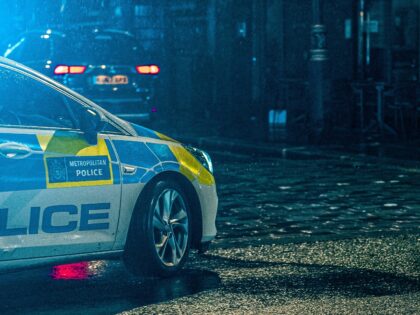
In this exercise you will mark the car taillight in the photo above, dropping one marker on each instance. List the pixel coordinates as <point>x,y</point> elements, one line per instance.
<point>62,69</point>
<point>148,69</point>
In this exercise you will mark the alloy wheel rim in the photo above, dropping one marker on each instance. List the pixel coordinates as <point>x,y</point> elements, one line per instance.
<point>170,227</point>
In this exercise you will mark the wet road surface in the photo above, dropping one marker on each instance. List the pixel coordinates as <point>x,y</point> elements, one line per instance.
<point>270,199</point>
<point>278,249</point>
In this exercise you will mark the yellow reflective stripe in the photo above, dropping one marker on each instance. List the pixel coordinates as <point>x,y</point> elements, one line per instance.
<point>165,137</point>
<point>44,140</point>
<point>190,167</point>
<point>80,184</point>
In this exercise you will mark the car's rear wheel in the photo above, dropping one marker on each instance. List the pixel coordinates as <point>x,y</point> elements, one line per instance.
<point>159,238</point>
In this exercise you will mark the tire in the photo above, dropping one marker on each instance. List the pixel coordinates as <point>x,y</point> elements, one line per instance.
<point>159,237</point>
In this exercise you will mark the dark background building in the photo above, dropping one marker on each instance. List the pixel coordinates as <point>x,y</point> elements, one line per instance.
<point>226,63</point>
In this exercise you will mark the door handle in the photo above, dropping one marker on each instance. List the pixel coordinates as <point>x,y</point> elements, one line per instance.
<point>14,150</point>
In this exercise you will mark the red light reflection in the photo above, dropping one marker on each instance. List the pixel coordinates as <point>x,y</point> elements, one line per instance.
<point>76,271</point>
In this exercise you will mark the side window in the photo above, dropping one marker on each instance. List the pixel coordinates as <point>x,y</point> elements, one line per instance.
<point>26,102</point>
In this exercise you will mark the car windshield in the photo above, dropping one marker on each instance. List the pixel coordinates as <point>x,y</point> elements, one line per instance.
<point>102,48</point>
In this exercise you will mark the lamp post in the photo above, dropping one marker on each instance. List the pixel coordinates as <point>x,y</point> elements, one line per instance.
<point>318,83</point>
<point>259,107</point>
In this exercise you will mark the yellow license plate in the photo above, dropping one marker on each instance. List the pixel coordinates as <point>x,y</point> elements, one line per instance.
<point>114,80</point>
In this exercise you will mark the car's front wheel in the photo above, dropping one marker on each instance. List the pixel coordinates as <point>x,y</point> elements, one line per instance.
<point>159,238</point>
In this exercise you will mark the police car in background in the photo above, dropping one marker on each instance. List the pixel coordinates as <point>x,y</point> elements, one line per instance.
<point>78,183</point>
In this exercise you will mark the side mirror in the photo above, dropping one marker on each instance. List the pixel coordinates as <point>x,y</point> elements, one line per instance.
<point>91,124</point>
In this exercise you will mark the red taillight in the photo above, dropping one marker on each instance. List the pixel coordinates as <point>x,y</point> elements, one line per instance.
<point>148,69</point>
<point>62,69</point>
<point>77,69</point>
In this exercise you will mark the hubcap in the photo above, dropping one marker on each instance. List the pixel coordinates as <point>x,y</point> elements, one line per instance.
<point>170,227</point>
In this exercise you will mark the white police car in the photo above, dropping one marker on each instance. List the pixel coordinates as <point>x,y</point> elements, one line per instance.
<point>78,183</point>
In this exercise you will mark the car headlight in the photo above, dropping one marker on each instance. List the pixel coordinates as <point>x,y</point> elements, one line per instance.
<point>202,156</point>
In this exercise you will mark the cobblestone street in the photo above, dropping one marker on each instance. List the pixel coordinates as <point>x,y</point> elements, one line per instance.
<point>273,198</point>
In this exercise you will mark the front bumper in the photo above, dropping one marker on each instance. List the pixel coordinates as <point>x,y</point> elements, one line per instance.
<point>207,196</point>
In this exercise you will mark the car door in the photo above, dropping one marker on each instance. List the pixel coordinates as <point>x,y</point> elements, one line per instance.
<point>59,193</point>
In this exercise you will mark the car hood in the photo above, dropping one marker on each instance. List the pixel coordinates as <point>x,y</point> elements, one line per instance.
<point>141,131</point>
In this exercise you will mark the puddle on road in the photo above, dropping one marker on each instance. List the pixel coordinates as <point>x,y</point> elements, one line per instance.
<point>101,286</point>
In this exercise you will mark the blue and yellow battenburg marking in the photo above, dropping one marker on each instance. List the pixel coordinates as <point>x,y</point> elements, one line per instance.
<point>188,164</point>
<point>154,157</point>
<point>172,151</point>
<point>70,161</point>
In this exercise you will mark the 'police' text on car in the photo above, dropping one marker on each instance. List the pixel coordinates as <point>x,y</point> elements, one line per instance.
<point>77,182</point>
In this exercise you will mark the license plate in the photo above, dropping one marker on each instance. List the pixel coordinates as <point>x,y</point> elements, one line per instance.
<point>114,80</point>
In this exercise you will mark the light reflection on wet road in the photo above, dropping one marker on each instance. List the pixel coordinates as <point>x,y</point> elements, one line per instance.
<point>97,287</point>
<point>277,198</point>
<point>261,201</point>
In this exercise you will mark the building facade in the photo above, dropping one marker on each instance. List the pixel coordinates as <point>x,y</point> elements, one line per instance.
<point>238,59</point>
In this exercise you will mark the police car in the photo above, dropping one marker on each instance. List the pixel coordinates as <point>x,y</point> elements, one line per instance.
<point>78,183</point>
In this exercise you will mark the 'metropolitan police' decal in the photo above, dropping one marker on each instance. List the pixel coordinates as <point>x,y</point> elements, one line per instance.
<point>71,162</point>
<point>78,169</point>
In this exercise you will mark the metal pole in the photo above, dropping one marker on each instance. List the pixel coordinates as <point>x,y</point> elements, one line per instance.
<point>259,110</point>
<point>388,29</point>
<point>361,41</point>
<point>317,72</point>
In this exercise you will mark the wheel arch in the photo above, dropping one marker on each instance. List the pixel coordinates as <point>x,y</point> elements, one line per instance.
<point>193,201</point>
